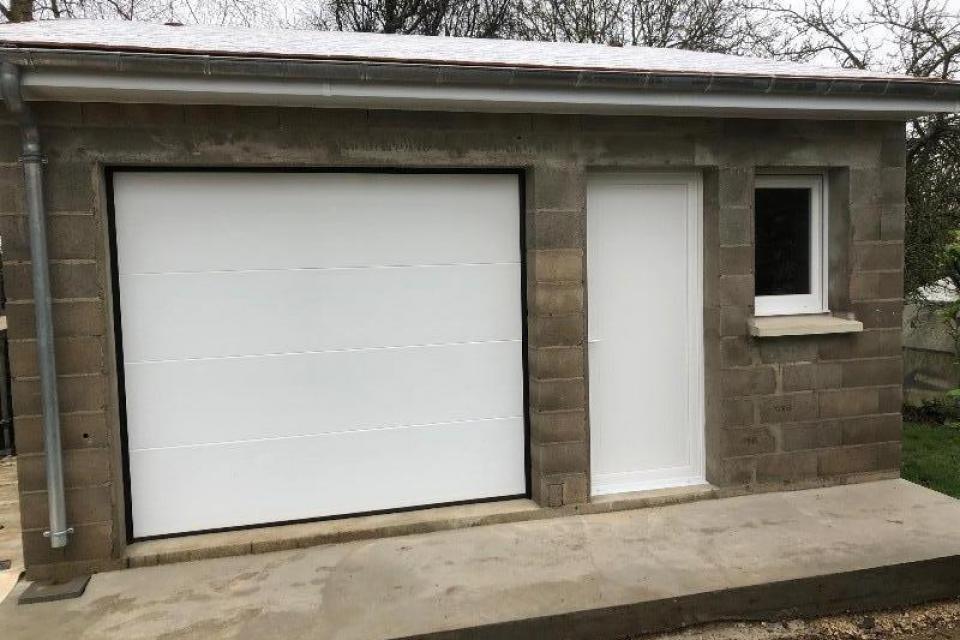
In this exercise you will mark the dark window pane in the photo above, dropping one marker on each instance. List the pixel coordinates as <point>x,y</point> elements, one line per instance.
<point>782,241</point>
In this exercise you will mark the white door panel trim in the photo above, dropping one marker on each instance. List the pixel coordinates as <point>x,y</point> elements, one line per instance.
<point>693,471</point>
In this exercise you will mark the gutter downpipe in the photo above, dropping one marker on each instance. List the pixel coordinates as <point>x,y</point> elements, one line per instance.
<point>33,160</point>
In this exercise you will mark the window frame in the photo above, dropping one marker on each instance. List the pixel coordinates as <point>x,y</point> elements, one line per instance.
<point>816,300</point>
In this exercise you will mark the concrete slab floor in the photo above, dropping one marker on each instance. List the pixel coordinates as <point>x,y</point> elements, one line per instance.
<point>427,583</point>
<point>10,542</point>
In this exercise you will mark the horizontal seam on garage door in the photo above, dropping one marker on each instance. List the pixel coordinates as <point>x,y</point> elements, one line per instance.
<point>323,351</point>
<point>329,433</point>
<point>342,268</point>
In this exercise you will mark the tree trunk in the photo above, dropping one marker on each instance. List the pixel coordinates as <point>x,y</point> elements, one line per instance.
<point>21,10</point>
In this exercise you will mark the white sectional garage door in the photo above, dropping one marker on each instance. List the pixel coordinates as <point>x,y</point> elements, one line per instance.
<point>307,344</point>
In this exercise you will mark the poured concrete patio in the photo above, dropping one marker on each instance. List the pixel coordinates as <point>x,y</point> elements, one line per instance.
<point>593,576</point>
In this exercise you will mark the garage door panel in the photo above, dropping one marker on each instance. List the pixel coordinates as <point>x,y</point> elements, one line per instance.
<point>230,399</point>
<point>221,221</point>
<point>272,312</point>
<point>299,345</point>
<point>197,488</point>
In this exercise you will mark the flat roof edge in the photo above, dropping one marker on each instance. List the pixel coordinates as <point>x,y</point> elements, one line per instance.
<point>904,97</point>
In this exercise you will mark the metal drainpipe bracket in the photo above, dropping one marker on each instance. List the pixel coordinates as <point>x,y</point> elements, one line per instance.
<point>38,157</point>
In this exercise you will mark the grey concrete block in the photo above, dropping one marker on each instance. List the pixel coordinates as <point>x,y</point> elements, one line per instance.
<point>84,392</point>
<point>556,298</point>
<point>798,377</point>
<point>557,395</point>
<point>557,331</point>
<point>71,318</point>
<point>73,355</point>
<point>737,412</point>
<point>69,237</point>
<point>561,187</point>
<point>558,426</point>
<point>736,291</point>
<point>748,381</point>
<point>67,280</point>
<point>737,352</point>
<point>845,460</point>
<point>864,373</point>
<point>865,222</point>
<point>788,407</point>
<point>869,429</point>
<point>789,349</point>
<point>85,505</point>
<point>558,265</point>
<point>849,402</point>
<point>892,181</point>
<point>558,229</point>
<point>786,467</point>
<point>876,285</point>
<point>736,225</point>
<point>877,256</point>
<point>892,219</point>
<point>869,344</point>
<point>733,320</point>
<point>813,435</point>
<point>879,314</point>
<point>748,442</point>
<point>87,542</point>
<point>865,187</point>
<point>77,431</point>
<point>560,457</point>
<point>556,362</point>
<point>736,260</point>
<point>561,489</point>
<point>81,468</point>
<point>736,187</point>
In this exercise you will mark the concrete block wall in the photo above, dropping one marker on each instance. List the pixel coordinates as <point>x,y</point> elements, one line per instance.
<point>556,321</point>
<point>780,413</point>
<point>808,410</point>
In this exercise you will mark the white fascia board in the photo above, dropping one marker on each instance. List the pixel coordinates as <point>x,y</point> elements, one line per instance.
<point>42,85</point>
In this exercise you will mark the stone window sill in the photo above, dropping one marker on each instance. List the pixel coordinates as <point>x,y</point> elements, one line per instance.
<point>801,325</point>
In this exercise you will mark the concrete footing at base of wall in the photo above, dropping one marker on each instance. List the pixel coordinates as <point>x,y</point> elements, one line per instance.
<point>602,576</point>
<point>309,534</point>
<point>856,591</point>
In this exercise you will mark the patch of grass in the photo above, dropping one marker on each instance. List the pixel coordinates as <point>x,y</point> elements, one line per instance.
<point>931,456</point>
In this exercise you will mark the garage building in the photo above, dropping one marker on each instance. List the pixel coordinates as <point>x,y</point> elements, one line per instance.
<point>303,276</point>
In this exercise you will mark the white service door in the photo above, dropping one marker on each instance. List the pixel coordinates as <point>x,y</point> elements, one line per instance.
<point>299,345</point>
<point>644,337</point>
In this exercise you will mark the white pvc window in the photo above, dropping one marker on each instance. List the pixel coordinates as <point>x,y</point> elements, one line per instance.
<point>790,266</point>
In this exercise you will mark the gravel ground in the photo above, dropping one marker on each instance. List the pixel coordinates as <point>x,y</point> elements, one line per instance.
<point>934,621</point>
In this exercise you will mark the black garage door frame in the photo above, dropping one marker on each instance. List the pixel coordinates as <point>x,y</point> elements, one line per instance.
<point>109,173</point>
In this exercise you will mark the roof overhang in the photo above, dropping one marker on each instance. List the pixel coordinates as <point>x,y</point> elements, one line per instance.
<point>91,76</point>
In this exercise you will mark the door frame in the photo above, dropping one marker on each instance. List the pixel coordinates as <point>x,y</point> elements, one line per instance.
<point>117,329</point>
<point>694,354</point>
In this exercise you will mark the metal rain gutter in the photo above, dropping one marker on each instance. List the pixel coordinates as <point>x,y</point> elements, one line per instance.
<point>85,75</point>
<point>32,160</point>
